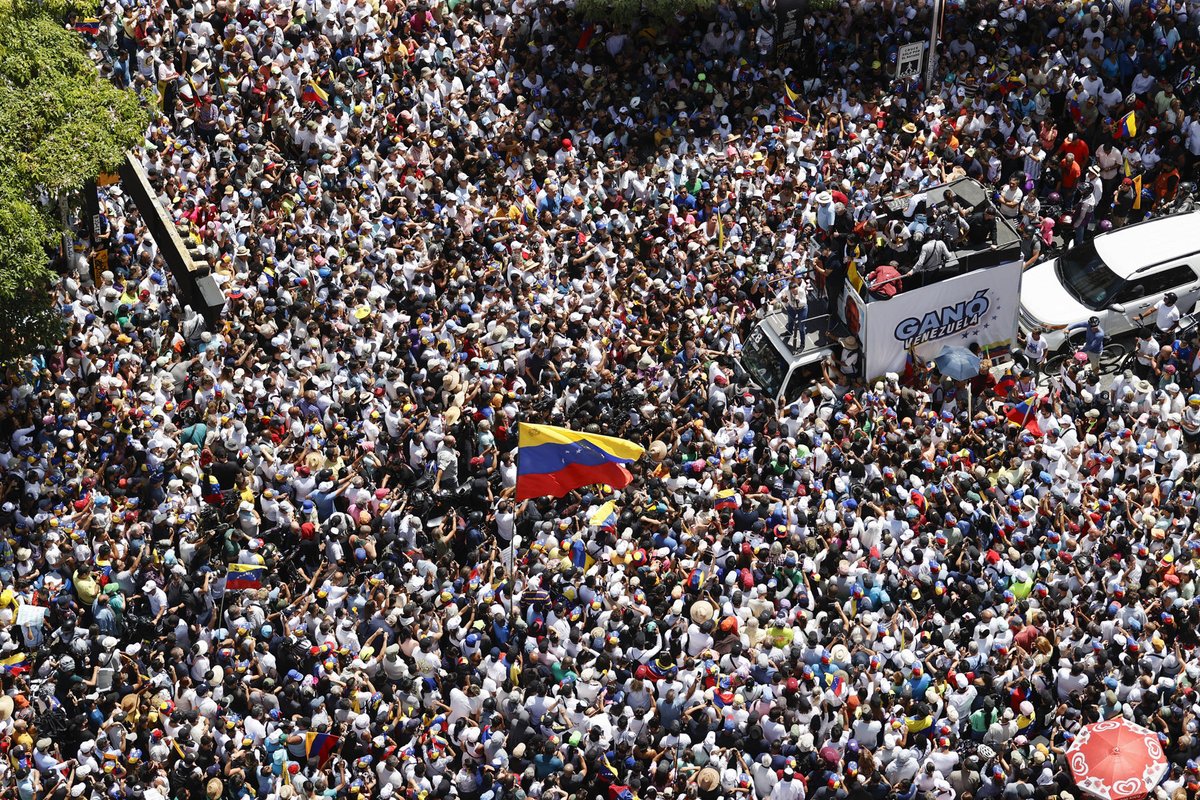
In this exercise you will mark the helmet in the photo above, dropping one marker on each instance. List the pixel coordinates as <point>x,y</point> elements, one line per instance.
<point>1170,297</point>
<point>1054,197</point>
<point>1066,219</point>
<point>66,664</point>
<point>1093,320</point>
<point>1105,225</point>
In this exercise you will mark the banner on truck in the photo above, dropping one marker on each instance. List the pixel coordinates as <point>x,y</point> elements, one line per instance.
<point>978,307</point>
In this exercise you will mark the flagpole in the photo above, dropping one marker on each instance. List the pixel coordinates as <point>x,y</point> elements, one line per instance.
<point>512,574</point>
<point>935,35</point>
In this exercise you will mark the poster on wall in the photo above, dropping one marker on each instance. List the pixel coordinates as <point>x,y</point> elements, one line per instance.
<point>977,308</point>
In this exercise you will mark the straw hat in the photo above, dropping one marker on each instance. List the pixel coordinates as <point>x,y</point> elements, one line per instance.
<point>702,611</point>
<point>6,707</point>
<point>708,779</point>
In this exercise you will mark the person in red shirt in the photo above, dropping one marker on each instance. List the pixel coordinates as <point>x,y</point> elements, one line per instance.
<point>1069,173</point>
<point>1078,148</point>
<point>884,282</point>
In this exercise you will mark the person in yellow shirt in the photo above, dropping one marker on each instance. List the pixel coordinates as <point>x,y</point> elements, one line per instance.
<point>86,585</point>
<point>1026,716</point>
<point>1021,585</point>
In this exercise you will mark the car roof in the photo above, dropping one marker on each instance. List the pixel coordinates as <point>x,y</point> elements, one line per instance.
<point>1126,250</point>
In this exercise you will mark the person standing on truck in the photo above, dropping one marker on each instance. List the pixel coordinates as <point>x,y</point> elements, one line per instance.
<point>933,256</point>
<point>1031,245</point>
<point>795,304</point>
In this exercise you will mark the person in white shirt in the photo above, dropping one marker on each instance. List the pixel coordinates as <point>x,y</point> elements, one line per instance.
<point>1035,351</point>
<point>1166,314</point>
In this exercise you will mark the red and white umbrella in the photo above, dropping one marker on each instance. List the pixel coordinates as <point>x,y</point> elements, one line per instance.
<point>1116,759</point>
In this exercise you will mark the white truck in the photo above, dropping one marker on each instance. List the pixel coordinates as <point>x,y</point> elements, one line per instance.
<point>973,299</point>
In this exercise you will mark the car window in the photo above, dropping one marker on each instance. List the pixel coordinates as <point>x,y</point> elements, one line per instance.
<point>801,378</point>
<point>1170,278</point>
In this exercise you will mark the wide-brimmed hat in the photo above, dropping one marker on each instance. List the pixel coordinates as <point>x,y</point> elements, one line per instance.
<point>702,612</point>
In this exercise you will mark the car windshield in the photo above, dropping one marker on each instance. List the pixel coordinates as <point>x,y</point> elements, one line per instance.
<point>765,364</point>
<point>1087,277</point>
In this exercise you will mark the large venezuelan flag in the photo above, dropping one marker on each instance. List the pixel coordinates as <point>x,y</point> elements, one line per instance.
<point>553,460</point>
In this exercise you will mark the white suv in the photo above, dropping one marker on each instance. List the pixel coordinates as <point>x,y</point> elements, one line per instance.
<point>1116,276</point>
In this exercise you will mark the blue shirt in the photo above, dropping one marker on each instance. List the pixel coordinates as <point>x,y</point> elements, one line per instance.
<point>1094,337</point>
<point>324,504</point>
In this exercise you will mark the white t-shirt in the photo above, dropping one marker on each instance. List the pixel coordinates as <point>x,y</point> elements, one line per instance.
<point>1165,316</point>
<point>1035,350</point>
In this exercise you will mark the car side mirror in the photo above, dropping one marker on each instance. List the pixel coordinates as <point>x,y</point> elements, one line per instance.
<point>1117,308</point>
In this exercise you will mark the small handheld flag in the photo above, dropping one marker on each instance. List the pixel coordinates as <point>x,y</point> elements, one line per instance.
<point>15,664</point>
<point>311,93</point>
<point>1127,126</point>
<point>88,27</point>
<point>1023,414</point>
<point>604,515</point>
<point>320,746</point>
<point>244,576</point>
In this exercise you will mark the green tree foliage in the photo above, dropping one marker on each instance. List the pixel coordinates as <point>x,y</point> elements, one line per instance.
<point>61,125</point>
<point>625,11</point>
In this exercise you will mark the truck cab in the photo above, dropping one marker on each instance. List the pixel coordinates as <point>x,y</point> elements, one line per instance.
<point>780,369</point>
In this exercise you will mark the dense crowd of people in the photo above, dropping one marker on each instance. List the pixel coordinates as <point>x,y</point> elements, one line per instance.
<point>279,555</point>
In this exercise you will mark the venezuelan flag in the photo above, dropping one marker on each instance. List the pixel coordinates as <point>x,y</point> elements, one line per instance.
<point>790,114</point>
<point>1127,126</point>
<point>553,460</point>
<point>320,746</point>
<point>15,664</point>
<point>311,93</point>
<point>728,498</point>
<point>1023,414</point>
<point>89,26</point>
<point>244,576</point>
<point>604,515</point>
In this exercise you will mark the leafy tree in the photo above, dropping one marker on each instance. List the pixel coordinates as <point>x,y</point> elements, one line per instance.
<point>61,125</point>
<point>625,11</point>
